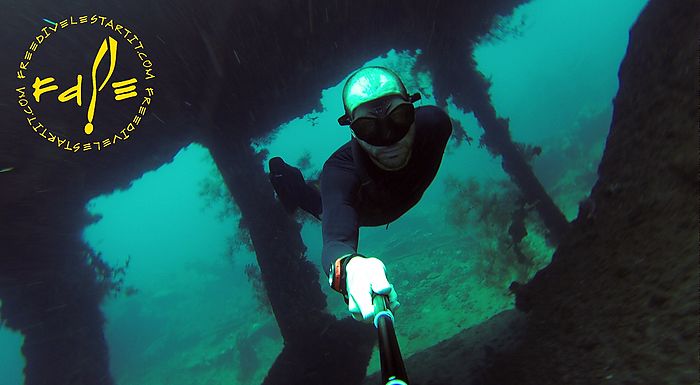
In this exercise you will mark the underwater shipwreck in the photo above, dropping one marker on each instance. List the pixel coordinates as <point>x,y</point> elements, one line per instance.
<point>617,304</point>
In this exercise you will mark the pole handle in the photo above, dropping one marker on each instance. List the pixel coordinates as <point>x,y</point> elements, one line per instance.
<point>381,309</point>
<point>380,303</point>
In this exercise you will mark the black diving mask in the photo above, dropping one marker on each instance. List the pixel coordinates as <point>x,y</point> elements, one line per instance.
<point>384,121</point>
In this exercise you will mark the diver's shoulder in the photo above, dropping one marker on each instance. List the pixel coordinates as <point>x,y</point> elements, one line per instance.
<point>431,111</point>
<point>434,118</point>
<point>342,157</point>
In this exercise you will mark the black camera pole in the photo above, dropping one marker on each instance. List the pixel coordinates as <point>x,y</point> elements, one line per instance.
<point>393,370</point>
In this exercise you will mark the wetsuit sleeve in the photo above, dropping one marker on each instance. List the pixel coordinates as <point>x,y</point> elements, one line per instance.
<point>340,224</point>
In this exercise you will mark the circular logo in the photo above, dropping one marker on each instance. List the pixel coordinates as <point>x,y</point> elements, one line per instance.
<point>85,83</point>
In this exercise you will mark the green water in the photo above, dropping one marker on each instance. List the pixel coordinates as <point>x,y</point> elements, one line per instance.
<point>194,317</point>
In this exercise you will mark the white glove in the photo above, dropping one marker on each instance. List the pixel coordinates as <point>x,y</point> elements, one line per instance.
<point>365,276</point>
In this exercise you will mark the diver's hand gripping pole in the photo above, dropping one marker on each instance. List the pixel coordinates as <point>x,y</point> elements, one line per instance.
<point>393,370</point>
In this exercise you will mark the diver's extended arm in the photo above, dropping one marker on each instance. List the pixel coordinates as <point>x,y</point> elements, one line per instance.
<point>339,186</point>
<point>357,278</point>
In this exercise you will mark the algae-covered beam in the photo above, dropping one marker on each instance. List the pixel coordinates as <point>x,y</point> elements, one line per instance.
<point>497,139</point>
<point>51,295</point>
<point>454,73</point>
<point>317,346</point>
<point>292,282</point>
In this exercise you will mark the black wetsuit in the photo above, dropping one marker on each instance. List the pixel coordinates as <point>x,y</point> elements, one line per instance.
<point>355,192</point>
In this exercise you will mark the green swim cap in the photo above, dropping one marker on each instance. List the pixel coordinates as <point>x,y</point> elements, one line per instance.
<point>371,83</point>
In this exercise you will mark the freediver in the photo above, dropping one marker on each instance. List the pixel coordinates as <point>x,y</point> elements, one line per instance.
<point>393,155</point>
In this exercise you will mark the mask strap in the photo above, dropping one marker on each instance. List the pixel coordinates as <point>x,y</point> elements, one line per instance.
<point>344,120</point>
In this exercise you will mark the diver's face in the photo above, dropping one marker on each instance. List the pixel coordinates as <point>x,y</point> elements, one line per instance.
<point>393,157</point>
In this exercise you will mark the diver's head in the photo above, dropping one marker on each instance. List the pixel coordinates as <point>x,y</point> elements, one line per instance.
<point>381,115</point>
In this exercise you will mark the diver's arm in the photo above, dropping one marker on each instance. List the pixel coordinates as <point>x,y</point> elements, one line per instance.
<point>339,185</point>
<point>353,275</point>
